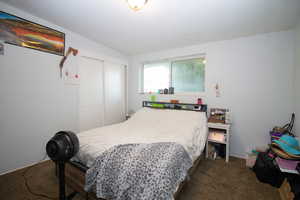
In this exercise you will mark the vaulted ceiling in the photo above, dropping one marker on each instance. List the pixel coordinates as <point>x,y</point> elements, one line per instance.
<point>164,24</point>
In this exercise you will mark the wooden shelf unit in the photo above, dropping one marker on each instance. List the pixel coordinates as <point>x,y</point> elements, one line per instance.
<point>223,128</point>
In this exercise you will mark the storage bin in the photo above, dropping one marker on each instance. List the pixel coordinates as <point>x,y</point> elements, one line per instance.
<point>251,159</point>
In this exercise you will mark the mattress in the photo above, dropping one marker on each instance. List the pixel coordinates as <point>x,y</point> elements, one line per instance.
<point>147,125</point>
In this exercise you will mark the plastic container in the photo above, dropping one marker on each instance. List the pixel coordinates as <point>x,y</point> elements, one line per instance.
<point>251,159</point>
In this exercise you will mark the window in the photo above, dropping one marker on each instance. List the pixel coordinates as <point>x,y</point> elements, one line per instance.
<point>186,76</point>
<point>156,76</point>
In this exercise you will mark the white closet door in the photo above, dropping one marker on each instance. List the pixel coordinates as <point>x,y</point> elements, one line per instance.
<point>91,105</point>
<point>114,93</point>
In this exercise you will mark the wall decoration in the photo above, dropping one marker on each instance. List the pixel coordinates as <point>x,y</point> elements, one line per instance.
<point>1,48</point>
<point>63,60</point>
<point>69,67</point>
<point>70,71</point>
<point>21,32</point>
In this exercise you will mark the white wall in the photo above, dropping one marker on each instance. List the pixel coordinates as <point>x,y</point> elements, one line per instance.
<point>256,79</point>
<point>34,102</point>
<point>297,82</point>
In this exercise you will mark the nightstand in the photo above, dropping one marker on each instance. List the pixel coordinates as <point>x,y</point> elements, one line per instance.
<point>219,133</point>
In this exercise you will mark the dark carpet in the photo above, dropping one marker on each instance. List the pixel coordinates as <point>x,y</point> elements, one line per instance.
<point>213,180</point>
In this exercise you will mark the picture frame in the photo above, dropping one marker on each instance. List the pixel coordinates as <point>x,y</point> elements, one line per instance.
<point>24,33</point>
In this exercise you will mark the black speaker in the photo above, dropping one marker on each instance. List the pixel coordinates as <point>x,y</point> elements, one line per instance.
<point>61,148</point>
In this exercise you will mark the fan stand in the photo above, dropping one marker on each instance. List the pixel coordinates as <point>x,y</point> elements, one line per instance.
<point>61,177</point>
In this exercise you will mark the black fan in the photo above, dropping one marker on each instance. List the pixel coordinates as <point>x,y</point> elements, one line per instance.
<point>61,148</point>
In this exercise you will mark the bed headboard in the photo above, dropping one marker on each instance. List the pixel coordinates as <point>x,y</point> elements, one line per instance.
<point>175,106</point>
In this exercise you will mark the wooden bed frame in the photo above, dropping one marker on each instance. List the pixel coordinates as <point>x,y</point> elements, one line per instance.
<point>75,171</point>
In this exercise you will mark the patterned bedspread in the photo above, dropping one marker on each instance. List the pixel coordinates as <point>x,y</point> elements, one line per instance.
<point>139,171</point>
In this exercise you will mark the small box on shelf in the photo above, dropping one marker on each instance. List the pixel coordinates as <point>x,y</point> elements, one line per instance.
<point>219,115</point>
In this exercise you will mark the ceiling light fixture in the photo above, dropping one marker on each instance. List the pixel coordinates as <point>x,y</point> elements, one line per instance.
<point>137,5</point>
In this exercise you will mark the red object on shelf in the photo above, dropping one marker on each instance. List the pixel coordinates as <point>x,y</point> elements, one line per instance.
<point>76,76</point>
<point>199,101</point>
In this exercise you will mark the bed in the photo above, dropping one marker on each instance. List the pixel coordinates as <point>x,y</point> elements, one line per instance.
<point>183,124</point>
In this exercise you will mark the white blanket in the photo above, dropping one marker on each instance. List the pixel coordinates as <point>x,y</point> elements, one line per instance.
<point>148,125</point>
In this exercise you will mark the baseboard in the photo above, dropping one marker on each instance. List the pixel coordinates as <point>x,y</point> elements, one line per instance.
<point>239,156</point>
<point>20,168</point>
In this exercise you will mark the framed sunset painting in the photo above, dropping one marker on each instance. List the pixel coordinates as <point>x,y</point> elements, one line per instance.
<point>21,32</point>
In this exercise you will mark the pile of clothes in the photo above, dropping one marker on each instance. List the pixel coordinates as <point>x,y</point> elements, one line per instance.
<point>286,147</point>
<point>281,160</point>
